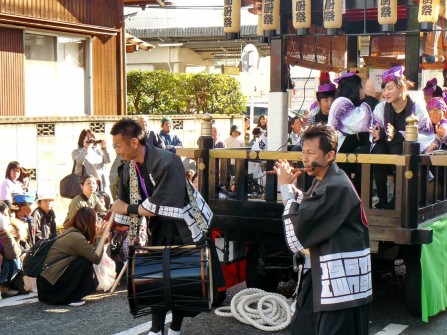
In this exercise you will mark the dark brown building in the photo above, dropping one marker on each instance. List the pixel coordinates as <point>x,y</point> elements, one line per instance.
<point>63,58</point>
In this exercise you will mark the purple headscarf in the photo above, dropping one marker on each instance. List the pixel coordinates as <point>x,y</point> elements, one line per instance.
<point>345,75</point>
<point>430,87</point>
<point>329,87</point>
<point>436,103</point>
<point>393,74</point>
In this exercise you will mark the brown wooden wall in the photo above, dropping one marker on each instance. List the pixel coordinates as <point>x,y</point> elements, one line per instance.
<point>12,86</point>
<point>107,83</point>
<point>105,13</point>
<point>100,19</point>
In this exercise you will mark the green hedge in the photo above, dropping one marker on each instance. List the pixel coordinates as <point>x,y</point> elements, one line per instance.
<point>161,92</point>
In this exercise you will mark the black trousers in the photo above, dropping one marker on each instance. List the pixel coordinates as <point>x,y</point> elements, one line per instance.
<point>349,321</point>
<point>382,171</point>
<point>304,319</point>
<point>78,281</point>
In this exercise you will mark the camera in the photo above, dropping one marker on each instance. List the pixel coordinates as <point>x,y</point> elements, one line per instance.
<point>93,141</point>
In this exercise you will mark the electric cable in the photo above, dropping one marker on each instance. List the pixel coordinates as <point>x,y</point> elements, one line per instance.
<point>308,77</point>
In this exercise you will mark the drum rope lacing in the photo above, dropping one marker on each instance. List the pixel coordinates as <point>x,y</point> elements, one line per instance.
<point>272,312</point>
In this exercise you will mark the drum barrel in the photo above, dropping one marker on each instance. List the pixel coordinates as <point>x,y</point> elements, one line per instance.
<point>175,277</point>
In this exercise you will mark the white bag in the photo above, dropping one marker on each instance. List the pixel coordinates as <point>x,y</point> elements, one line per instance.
<point>30,284</point>
<point>105,272</point>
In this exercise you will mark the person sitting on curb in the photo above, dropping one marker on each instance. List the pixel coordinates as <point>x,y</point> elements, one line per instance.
<point>22,211</point>
<point>87,198</point>
<point>72,276</point>
<point>11,274</point>
<point>43,217</point>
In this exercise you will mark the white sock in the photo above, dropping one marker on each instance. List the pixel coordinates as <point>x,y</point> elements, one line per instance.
<point>173,332</point>
<point>152,333</point>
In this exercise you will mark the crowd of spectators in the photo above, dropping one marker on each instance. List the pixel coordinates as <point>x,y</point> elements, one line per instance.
<point>26,216</point>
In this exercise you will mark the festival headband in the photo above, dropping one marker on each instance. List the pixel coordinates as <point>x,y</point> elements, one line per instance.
<point>430,87</point>
<point>326,88</point>
<point>393,74</point>
<point>346,75</point>
<point>436,103</point>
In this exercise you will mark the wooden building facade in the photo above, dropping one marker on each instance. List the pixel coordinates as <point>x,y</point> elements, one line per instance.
<point>62,57</point>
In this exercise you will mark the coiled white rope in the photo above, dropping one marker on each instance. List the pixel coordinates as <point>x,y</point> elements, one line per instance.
<point>272,312</point>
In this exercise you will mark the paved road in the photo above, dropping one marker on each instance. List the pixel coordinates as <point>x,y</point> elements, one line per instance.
<point>107,313</point>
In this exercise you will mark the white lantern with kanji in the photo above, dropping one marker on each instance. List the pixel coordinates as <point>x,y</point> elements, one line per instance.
<point>270,17</point>
<point>332,16</point>
<point>301,16</point>
<point>232,18</point>
<point>387,14</point>
<point>428,14</point>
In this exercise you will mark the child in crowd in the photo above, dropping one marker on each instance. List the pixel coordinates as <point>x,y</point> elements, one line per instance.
<point>43,217</point>
<point>22,210</point>
<point>325,97</point>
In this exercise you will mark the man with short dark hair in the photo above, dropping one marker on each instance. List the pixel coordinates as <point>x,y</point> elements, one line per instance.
<point>171,141</point>
<point>296,128</point>
<point>328,220</point>
<point>153,184</point>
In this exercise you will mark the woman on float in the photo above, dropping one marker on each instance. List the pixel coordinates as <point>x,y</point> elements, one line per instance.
<point>351,115</point>
<point>388,129</point>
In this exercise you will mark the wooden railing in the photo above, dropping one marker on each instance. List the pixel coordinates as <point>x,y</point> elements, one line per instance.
<point>420,193</point>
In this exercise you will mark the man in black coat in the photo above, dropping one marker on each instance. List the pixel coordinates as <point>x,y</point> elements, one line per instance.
<point>329,221</point>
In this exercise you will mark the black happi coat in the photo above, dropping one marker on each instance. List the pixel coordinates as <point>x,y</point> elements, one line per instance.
<point>164,178</point>
<point>330,221</point>
<point>165,181</point>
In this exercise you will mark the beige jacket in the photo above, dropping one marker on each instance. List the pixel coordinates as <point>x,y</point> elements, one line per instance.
<point>94,160</point>
<point>82,201</point>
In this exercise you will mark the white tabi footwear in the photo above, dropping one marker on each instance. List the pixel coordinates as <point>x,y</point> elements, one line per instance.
<point>173,332</point>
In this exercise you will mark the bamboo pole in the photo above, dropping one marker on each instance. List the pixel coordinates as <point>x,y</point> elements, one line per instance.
<point>118,279</point>
<point>99,249</point>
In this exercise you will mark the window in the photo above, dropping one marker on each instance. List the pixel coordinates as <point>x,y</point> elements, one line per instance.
<point>56,76</point>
